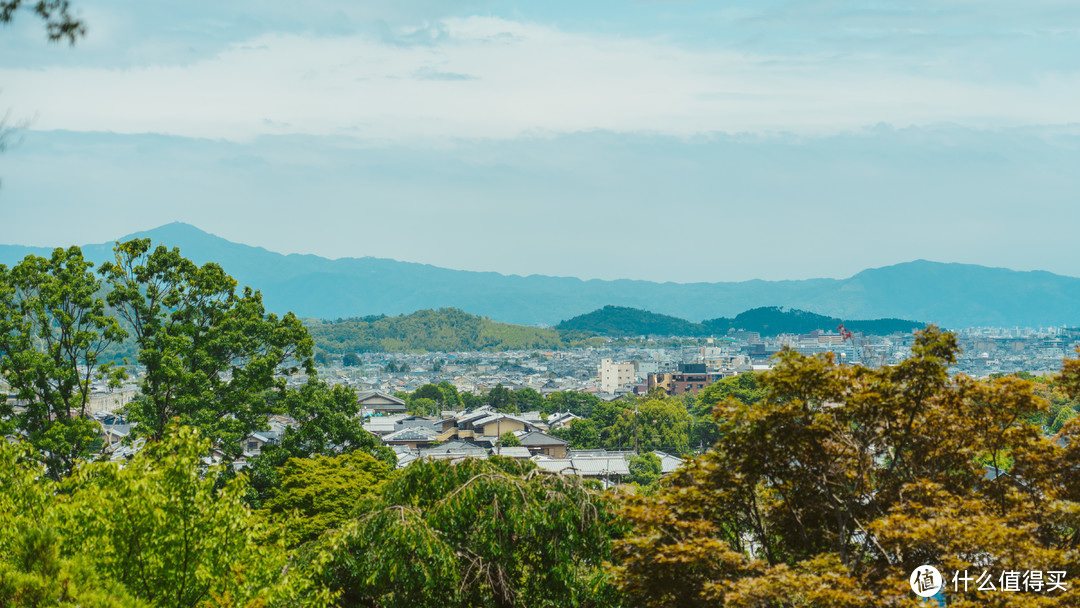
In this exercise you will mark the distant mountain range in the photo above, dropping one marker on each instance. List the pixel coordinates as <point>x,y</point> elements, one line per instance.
<point>952,295</point>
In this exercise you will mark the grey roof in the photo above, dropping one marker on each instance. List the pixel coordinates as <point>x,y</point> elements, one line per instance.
<point>482,412</point>
<point>536,438</point>
<point>380,425</point>
<point>600,467</point>
<point>494,417</point>
<point>411,434</point>
<point>585,467</point>
<point>369,394</point>
<point>668,463</point>
<point>457,447</point>
<point>454,456</point>
<point>406,458</point>
<point>516,451</point>
<point>556,465</point>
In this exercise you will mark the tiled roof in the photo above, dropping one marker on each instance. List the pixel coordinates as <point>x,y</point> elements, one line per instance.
<point>537,438</point>
<point>411,434</point>
<point>516,451</point>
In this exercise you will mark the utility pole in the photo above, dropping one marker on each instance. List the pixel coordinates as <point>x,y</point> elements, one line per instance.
<point>637,447</point>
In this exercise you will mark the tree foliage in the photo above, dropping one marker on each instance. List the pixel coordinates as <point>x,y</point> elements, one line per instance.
<point>662,424</point>
<point>159,531</point>
<point>843,480</point>
<point>582,434</point>
<point>322,492</point>
<point>53,329</point>
<point>477,533</point>
<point>326,423</point>
<point>212,355</point>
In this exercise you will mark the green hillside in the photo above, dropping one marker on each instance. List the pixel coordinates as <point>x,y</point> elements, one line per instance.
<point>446,330</point>
<point>626,321</point>
<point>774,320</point>
<point>768,321</point>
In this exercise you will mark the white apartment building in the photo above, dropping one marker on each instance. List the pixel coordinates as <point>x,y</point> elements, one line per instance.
<point>614,376</point>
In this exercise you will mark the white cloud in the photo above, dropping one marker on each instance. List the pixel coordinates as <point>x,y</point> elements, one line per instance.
<point>494,78</point>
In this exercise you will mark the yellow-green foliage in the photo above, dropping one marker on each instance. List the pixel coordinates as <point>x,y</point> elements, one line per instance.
<point>320,493</point>
<point>160,531</point>
<point>842,480</point>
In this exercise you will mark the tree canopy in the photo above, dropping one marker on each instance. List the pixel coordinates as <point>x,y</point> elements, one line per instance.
<point>53,330</point>
<point>212,355</point>
<point>832,489</point>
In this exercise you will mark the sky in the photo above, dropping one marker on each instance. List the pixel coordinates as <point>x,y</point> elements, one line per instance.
<point>663,140</point>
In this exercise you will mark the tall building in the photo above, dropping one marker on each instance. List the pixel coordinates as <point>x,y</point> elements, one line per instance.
<point>614,376</point>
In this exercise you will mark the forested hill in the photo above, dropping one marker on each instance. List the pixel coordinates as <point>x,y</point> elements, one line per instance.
<point>768,321</point>
<point>446,330</point>
<point>453,330</point>
<point>626,321</point>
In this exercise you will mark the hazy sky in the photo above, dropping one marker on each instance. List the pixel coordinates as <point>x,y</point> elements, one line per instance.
<point>662,140</point>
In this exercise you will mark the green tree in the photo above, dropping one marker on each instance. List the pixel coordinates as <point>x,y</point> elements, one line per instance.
<point>163,527</point>
<point>321,493</point>
<point>580,404</point>
<point>53,330</point>
<point>662,424</point>
<point>582,434</point>
<point>212,355</point>
<point>509,440</point>
<point>470,401</point>
<point>352,360</point>
<point>501,398</point>
<point>528,399</point>
<point>327,423</point>
<point>423,407</point>
<point>645,469</point>
<point>450,396</point>
<point>839,483</point>
<point>743,387</point>
<point>478,533</point>
<point>33,569</point>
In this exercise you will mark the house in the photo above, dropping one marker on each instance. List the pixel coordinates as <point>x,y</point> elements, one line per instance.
<point>607,468</point>
<point>542,443</point>
<point>668,463</point>
<point>519,452</point>
<point>254,443</point>
<point>380,403</point>
<point>413,437</point>
<point>560,420</point>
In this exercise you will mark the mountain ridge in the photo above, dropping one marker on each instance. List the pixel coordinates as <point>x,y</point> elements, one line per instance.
<point>949,294</point>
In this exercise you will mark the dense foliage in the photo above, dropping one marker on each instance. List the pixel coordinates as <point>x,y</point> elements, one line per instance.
<point>211,355</point>
<point>53,330</point>
<point>159,531</point>
<point>478,533</point>
<point>839,483</point>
